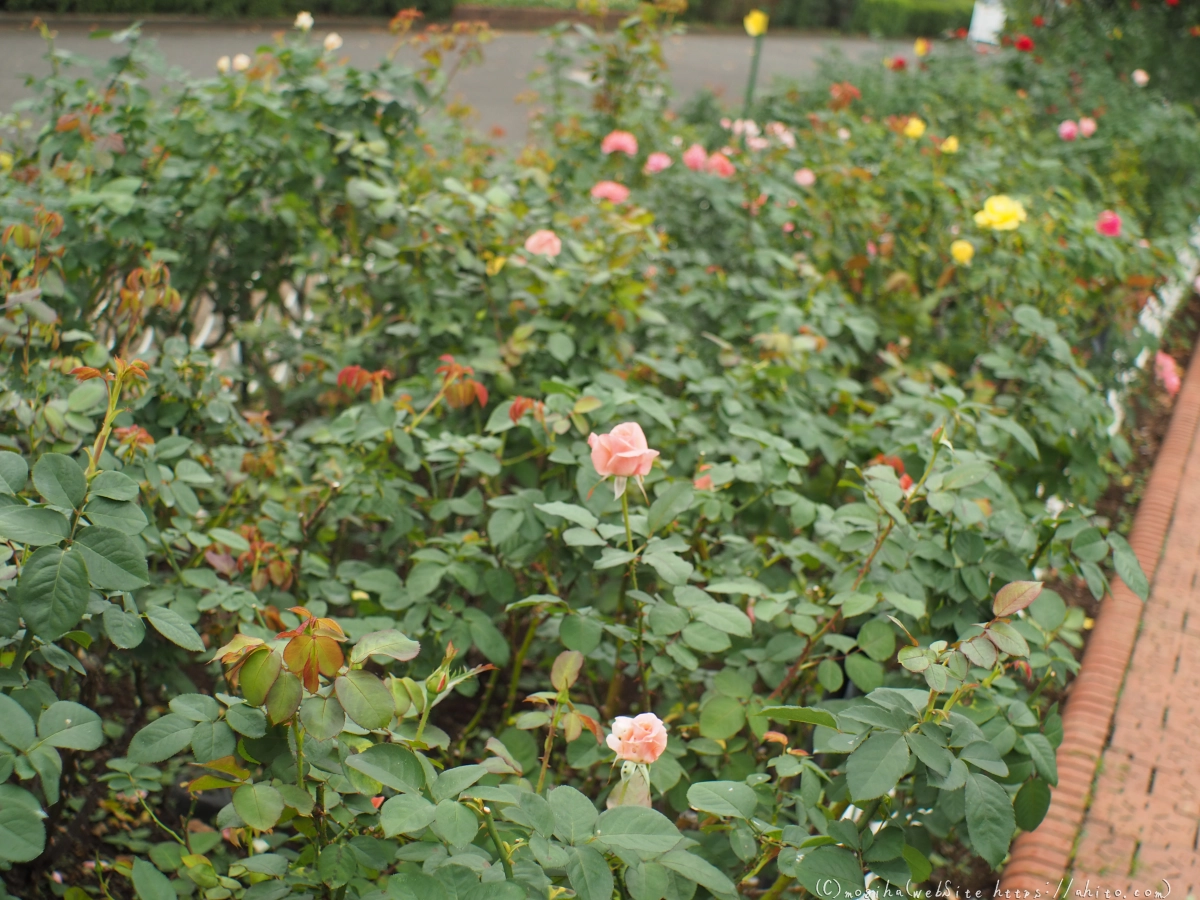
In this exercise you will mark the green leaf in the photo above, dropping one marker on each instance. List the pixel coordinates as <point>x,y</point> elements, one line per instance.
<point>1031,804</point>
<point>174,628</point>
<point>33,525</point>
<point>246,720</point>
<point>723,798</point>
<point>669,567</point>
<point>984,755</point>
<point>124,629</point>
<point>151,884</point>
<point>70,726</point>
<point>1015,596</point>
<point>259,805</point>
<point>59,479</point>
<point>721,718</point>
<point>589,874</point>
<point>390,644</point>
<point>16,726</point>
<point>877,639</point>
<point>637,828</point>
<point>1007,639</point>
<point>874,768</point>
<point>122,516</point>
<point>406,814</point>
<point>667,506</point>
<point>323,717</point>
<point>283,699</point>
<point>1043,756</point>
<point>336,865</point>
<point>114,486</point>
<point>230,539</point>
<point>196,707</point>
<point>22,834</point>
<point>365,698</point>
<point>865,673</point>
<point>930,752</point>
<point>52,592</point>
<point>390,765</point>
<point>810,715</point>
<point>695,869</point>
<point>455,824</point>
<point>1129,569</point>
<point>965,475</point>
<point>114,562</point>
<point>724,617</point>
<point>570,512</point>
<point>574,815</point>
<point>1022,436</point>
<point>830,873</point>
<point>453,782</point>
<point>161,739</point>
<point>14,472</point>
<point>990,819</point>
<point>212,740</point>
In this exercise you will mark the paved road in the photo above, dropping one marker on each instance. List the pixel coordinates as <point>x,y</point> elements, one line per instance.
<point>718,62</point>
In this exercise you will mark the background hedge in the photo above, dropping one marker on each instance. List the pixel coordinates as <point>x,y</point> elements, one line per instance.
<point>887,18</point>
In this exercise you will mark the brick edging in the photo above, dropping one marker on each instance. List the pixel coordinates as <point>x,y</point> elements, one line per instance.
<point>1041,858</point>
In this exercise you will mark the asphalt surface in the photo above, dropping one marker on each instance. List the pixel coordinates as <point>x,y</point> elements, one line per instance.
<point>717,62</point>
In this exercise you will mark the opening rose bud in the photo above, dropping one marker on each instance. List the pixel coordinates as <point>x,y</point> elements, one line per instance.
<point>641,739</point>
<point>622,453</point>
<point>619,142</point>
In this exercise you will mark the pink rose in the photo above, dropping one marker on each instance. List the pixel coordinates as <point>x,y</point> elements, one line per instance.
<point>1068,130</point>
<point>610,190</point>
<point>619,142</point>
<point>641,739</point>
<point>718,164</point>
<point>544,243</point>
<point>622,452</point>
<point>1167,371</point>
<point>1087,126</point>
<point>757,143</point>
<point>789,227</point>
<point>805,177</point>
<point>694,157</point>
<point>1140,77</point>
<point>1108,223</point>
<point>657,162</point>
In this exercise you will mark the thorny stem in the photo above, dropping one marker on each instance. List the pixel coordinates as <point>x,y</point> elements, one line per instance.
<point>501,850</point>
<point>424,716</point>
<point>518,662</point>
<point>541,782</point>
<point>159,823</point>
<point>428,409</point>
<point>643,674</point>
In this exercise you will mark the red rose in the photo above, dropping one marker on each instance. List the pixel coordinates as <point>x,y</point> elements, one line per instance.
<point>1039,22</point>
<point>1023,43</point>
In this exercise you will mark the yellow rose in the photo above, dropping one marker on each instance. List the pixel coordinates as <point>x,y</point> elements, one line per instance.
<point>755,22</point>
<point>950,145</point>
<point>1000,213</point>
<point>922,47</point>
<point>6,162</point>
<point>963,252</point>
<point>914,128</point>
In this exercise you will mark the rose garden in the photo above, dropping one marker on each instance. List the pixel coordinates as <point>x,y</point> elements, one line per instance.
<point>707,498</point>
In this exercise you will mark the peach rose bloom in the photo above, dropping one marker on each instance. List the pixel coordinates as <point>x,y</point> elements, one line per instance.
<point>622,452</point>
<point>656,163</point>
<point>718,164</point>
<point>544,243</point>
<point>619,142</point>
<point>1087,126</point>
<point>610,190</point>
<point>805,177</point>
<point>641,739</point>
<point>694,157</point>
<point>1167,371</point>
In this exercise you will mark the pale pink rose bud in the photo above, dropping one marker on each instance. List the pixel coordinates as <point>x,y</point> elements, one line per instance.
<point>694,157</point>
<point>805,177</point>
<point>611,191</point>
<point>619,142</point>
<point>622,452</point>
<point>641,739</point>
<point>1087,126</point>
<point>1140,77</point>
<point>757,143</point>
<point>1108,223</point>
<point>544,243</point>
<point>718,164</point>
<point>657,162</point>
<point>1068,130</point>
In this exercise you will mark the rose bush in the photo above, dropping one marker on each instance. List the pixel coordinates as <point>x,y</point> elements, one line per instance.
<point>328,595</point>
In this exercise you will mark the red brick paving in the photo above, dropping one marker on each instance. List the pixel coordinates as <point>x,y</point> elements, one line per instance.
<point>1126,813</point>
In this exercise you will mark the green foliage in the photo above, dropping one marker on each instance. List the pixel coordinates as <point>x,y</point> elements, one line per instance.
<point>338,558</point>
<point>225,9</point>
<point>897,18</point>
